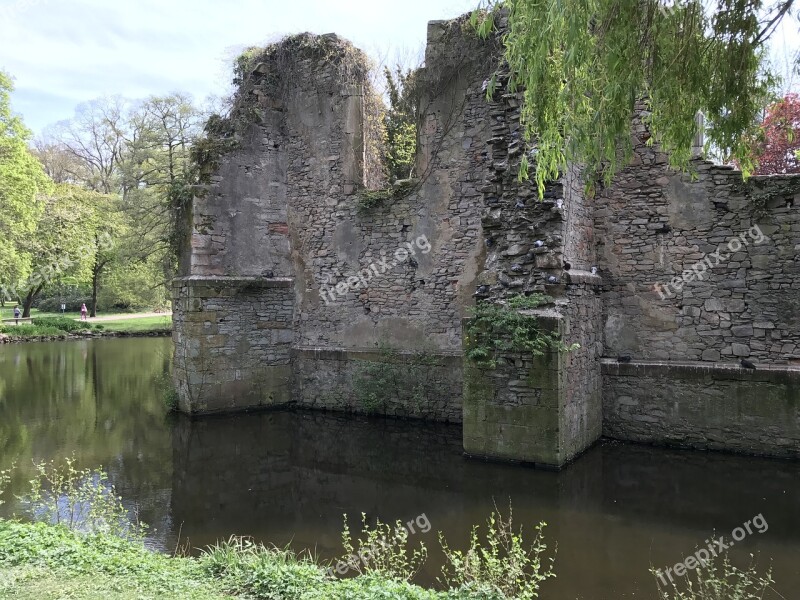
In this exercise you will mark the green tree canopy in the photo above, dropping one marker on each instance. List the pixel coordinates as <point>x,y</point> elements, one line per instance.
<point>584,64</point>
<point>22,181</point>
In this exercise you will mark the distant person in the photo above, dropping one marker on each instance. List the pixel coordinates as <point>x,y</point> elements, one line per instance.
<point>84,312</point>
<point>17,314</point>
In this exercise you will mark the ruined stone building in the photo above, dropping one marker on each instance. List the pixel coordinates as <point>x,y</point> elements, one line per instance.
<point>295,291</point>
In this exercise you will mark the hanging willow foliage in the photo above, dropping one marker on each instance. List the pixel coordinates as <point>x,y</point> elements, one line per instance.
<point>583,65</point>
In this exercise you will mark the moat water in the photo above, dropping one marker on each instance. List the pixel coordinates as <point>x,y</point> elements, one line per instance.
<point>287,478</point>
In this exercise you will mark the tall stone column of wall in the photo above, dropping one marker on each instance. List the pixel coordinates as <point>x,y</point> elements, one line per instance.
<point>384,279</point>
<point>295,131</point>
<point>542,410</point>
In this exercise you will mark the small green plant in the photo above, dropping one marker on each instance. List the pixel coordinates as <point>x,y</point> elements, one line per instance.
<point>382,550</point>
<point>80,499</point>
<point>5,479</point>
<point>368,199</point>
<point>167,390</point>
<point>503,564</point>
<point>265,572</point>
<point>397,376</point>
<point>496,329</point>
<point>717,580</point>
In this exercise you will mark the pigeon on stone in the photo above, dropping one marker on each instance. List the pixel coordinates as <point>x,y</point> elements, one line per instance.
<point>746,364</point>
<point>624,358</point>
<point>567,266</point>
<point>516,268</point>
<point>520,204</point>
<point>482,290</point>
<point>552,279</point>
<point>594,270</point>
<point>269,274</point>
<point>538,243</point>
<point>489,242</point>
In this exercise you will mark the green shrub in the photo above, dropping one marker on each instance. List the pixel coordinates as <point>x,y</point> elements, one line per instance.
<point>503,564</point>
<point>496,329</point>
<point>27,330</point>
<point>266,572</point>
<point>65,324</point>
<point>382,551</point>
<point>717,580</point>
<point>80,499</point>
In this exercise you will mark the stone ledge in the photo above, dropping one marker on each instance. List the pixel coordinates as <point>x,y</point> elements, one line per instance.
<point>204,280</point>
<point>586,277</point>
<point>702,370</point>
<point>370,354</point>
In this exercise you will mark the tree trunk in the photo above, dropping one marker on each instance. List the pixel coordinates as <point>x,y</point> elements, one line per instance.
<point>95,279</point>
<point>26,307</point>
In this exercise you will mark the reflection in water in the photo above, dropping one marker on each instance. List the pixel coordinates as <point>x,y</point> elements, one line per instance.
<point>289,477</point>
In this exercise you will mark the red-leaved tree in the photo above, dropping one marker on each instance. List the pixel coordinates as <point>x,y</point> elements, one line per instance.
<point>777,151</point>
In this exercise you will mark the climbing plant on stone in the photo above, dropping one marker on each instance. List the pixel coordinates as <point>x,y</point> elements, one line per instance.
<point>497,328</point>
<point>583,66</point>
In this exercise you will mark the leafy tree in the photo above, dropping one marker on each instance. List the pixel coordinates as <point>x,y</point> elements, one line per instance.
<point>22,181</point>
<point>778,146</point>
<point>583,65</point>
<point>401,123</point>
<point>139,152</point>
<point>62,242</point>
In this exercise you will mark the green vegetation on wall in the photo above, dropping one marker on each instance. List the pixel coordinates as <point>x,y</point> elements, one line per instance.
<point>497,329</point>
<point>401,376</point>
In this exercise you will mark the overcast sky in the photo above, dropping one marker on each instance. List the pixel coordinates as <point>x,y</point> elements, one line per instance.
<point>64,52</point>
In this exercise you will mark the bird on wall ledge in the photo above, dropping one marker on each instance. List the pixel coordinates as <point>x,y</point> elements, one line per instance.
<point>746,364</point>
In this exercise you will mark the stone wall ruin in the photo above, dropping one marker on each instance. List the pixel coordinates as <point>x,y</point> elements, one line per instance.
<point>281,222</point>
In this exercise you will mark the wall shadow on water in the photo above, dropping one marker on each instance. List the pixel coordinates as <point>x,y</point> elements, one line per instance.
<point>288,478</point>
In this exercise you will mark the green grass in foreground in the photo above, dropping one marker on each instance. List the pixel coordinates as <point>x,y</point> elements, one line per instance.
<point>39,561</point>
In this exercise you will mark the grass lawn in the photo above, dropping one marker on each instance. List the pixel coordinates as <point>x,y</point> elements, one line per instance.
<point>143,324</point>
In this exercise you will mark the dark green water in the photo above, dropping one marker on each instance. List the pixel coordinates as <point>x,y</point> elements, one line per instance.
<point>289,477</point>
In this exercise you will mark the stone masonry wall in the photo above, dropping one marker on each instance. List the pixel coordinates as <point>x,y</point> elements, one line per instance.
<point>655,227</point>
<point>287,202</point>
<point>691,406</point>
<point>232,341</point>
<point>305,288</point>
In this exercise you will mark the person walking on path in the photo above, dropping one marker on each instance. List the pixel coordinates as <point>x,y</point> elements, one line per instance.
<point>16,314</point>
<point>84,312</point>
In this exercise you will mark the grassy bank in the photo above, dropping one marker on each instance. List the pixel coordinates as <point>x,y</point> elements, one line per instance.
<point>46,561</point>
<point>59,327</point>
<point>139,325</point>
